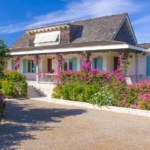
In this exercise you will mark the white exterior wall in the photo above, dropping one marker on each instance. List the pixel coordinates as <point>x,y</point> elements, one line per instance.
<point>108,60</point>
<point>29,76</point>
<point>131,68</point>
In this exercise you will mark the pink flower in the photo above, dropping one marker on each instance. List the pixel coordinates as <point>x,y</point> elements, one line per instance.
<point>95,70</point>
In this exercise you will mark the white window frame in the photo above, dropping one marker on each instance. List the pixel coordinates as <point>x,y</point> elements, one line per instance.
<point>40,37</point>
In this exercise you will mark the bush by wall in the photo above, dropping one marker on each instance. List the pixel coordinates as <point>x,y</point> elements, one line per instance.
<point>101,88</point>
<point>13,85</point>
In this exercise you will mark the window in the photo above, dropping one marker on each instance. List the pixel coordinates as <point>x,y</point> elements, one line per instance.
<point>97,63</point>
<point>70,64</point>
<point>30,66</point>
<point>94,62</point>
<point>49,38</point>
<point>67,64</point>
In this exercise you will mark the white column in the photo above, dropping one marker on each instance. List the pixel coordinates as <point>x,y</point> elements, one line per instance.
<point>137,67</point>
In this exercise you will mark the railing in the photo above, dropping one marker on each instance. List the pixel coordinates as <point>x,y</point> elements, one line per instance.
<point>132,78</point>
<point>48,78</point>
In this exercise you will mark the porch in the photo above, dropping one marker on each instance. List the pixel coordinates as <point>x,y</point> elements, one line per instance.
<point>45,71</point>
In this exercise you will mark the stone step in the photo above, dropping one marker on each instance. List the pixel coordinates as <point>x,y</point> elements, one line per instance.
<point>32,92</point>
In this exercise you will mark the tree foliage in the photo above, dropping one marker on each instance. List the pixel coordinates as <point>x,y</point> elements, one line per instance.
<point>4,55</point>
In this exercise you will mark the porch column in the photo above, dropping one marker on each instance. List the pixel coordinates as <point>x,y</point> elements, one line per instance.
<point>137,67</point>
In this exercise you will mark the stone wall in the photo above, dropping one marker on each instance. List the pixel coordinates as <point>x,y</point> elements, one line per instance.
<point>43,89</point>
<point>65,36</point>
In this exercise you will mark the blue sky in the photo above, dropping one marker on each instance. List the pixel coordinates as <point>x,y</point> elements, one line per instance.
<point>18,15</point>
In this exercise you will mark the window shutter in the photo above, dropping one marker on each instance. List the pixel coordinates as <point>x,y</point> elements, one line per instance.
<point>148,66</point>
<point>34,68</point>
<point>12,65</point>
<point>24,66</point>
<point>74,63</point>
<point>99,63</point>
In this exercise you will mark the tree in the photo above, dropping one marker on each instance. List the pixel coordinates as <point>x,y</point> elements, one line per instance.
<point>4,55</point>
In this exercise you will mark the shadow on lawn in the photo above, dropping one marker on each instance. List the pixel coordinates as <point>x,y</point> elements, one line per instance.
<point>20,119</point>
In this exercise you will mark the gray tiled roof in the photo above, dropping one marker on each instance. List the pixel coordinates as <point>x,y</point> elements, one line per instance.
<point>94,29</point>
<point>145,45</point>
<point>98,29</point>
<point>22,41</point>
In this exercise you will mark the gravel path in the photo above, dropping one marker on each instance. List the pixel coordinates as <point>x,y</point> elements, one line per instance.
<point>35,125</point>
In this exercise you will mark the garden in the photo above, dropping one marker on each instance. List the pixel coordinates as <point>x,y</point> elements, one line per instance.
<point>12,83</point>
<point>102,88</point>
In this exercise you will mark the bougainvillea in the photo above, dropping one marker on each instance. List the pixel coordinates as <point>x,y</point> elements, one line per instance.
<point>123,61</point>
<point>17,61</point>
<point>36,59</point>
<point>86,63</point>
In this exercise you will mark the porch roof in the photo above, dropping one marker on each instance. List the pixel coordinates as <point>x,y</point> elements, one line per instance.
<point>77,47</point>
<point>145,45</point>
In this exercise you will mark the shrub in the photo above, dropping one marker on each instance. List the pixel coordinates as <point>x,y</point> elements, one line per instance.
<point>13,76</point>
<point>99,87</point>
<point>7,88</point>
<point>13,84</point>
<point>102,97</point>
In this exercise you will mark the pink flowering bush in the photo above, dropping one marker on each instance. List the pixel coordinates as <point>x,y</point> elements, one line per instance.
<point>100,87</point>
<point>137,95</point>
<point>82,85</point>
<point>42,75</point>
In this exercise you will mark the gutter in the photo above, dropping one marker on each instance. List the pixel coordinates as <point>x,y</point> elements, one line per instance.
<point>78,49</point>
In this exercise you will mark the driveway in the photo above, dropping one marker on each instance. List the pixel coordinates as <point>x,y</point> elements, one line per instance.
<point>35,125</point>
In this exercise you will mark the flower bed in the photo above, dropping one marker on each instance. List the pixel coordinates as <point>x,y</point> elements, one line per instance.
<point>102,88</point>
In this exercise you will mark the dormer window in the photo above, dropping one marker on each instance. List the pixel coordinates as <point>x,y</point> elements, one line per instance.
<point>49,38</point>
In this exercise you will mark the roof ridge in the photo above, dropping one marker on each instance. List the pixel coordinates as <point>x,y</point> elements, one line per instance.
<point>69,22</point>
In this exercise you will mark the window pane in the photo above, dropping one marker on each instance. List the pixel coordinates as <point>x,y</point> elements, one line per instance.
<point>32,65</point>
<point>70,64</point>
<point>28,65</point>
<point>95,62</point>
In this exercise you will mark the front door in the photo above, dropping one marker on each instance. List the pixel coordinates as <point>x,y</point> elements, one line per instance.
<point>49,65</point>
<point>116,63</point>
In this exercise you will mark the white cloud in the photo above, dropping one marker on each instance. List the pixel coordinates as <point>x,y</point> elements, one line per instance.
<point>142,29</point>
<point>76,10</point>
<point>143,20</point>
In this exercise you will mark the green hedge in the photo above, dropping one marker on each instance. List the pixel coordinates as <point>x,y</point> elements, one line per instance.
<point>13,85</point>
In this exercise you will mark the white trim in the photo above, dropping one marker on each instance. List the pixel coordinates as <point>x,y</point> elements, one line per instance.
<point>89,48</point>
<point>130,26</point>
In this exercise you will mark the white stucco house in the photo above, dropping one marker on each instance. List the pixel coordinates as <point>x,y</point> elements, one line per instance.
<point>101,36</point>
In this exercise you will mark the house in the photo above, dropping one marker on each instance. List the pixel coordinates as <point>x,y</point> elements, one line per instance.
<point>101,37</point>
<point>146,61</point>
